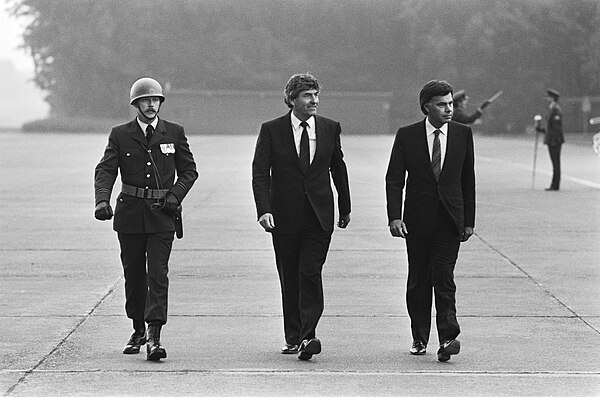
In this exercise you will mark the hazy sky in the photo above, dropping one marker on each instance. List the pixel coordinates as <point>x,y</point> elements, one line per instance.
<point>9,31</point>
<point>21,100</point>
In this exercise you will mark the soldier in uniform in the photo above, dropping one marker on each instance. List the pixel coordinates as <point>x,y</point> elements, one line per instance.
<point>460,99</point>
<point>553,136</point>
<point>157,171</point>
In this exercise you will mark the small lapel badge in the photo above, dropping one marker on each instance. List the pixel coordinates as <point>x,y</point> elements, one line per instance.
<point>167,148</point>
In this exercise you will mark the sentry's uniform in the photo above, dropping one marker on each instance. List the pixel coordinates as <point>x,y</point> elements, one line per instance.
<point>554,139</point>
<point>460,116</point>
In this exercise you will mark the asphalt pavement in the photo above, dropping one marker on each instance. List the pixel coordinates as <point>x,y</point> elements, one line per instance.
<point>528,282</point>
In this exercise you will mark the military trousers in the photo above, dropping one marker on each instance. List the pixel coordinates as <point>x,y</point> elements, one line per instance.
<point>554,151</point>
<point>145,260</point>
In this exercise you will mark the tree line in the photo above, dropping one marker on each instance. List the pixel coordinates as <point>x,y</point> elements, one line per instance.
<point>87,53</point>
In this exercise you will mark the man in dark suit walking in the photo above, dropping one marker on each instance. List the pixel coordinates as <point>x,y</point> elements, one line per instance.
<point>294,157</point>
<point>439,212</point>
<point>148,152</point>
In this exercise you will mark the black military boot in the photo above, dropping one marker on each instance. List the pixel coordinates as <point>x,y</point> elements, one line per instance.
<point>154,350</point>
<point>137,339</point>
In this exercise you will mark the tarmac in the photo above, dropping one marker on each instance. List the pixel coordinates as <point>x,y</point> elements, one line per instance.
<point>528,282</point>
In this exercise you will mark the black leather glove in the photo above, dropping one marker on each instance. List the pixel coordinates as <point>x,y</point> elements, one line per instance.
<point>103,211</point>
<point>171,204</point>
<point>484,104</point>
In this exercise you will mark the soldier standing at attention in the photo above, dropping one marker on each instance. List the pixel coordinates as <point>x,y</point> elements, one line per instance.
<point>553,136</point>
<point>149,153</point>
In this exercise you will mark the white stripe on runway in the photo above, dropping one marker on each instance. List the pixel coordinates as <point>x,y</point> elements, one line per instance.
<point>541,171</point>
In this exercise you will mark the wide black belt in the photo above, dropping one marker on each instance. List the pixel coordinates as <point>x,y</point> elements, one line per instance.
<point>143,192</point>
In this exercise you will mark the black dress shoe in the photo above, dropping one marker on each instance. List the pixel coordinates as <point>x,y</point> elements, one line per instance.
<point>447,349</point>
<point>308,348</point>
<point>137,339</point>
<point>289,349</point>
<point>418,348</point>
<point>550,189</point>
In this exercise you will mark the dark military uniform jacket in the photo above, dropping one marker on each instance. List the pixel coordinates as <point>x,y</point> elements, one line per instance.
<point>460,116</point>
<point>127,151</point>
<point>554,133</point>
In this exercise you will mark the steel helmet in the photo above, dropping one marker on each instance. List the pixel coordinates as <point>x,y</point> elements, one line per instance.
<point>145,87</point>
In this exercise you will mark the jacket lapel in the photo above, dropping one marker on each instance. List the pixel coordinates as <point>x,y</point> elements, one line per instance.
<point>287,135</point>
<point>451,145</point>
<point>159,133</point>
<point>136,132</point>
<point>422,148</point>
<point>138,135</point>
<point>320,135</point>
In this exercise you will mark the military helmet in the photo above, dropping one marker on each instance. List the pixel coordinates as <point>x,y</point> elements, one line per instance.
<point>145,87</point>
<point>553,93</point>
<point>460,95</point>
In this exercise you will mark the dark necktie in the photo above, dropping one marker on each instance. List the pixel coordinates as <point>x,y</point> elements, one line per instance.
<point>436,156</point>
<point>304,156</point>
<point>149,132</point>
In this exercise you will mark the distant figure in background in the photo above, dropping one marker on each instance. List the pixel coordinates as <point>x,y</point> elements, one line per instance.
<point>553,136</point>
<point>148,152</point>
<point>460,105</point>
<point>434,214</point>
<point>296,157</point>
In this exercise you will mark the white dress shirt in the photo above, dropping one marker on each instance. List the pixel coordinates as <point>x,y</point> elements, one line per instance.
<point>144,125</point>
<point>312,135</point>
<point>430,130</point>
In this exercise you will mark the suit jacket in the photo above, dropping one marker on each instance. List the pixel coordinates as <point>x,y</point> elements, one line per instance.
<point>455,188</point>
<point>279,184</point>
<point>554,133</point>
<point>128,152</point>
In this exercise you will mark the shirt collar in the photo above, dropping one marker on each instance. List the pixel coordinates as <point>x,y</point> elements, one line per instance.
<point>430,129</point>
<point>144,125</point>
<point>296,122</point>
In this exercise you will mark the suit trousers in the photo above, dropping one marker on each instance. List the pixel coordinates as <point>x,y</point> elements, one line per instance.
<point>145,259</point>
<point>554,151</point>
<point>431,261</point>
<point>300,258</point>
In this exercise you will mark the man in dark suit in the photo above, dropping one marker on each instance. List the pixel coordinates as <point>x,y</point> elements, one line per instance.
<point>294,156</point>
<point>148,151</point>
<point>439,212</point>
<point>553,136</point>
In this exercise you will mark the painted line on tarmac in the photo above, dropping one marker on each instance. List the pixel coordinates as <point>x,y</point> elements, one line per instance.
<point>539,285</point>
<point>275,371</point>
<point>504,162</point>
<point>59,344</point>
